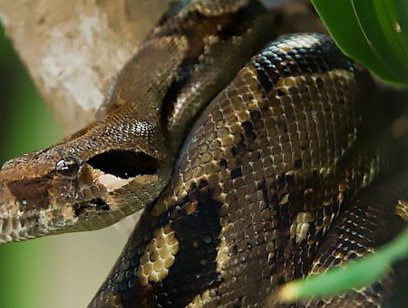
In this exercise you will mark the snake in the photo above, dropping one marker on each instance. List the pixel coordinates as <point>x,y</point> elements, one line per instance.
<point>246,154</point>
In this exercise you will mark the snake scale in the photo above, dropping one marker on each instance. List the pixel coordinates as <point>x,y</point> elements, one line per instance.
<point>279,137</point>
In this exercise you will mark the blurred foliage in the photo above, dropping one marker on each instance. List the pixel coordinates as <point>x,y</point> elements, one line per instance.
<point>26,124</point>
<point>374,32</point>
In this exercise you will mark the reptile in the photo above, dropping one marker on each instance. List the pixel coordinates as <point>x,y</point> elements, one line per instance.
<point>241,153</point>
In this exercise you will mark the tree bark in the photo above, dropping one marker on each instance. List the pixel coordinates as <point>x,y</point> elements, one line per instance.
<point>72,49</point>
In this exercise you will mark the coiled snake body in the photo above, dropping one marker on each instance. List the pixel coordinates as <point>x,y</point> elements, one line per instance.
<point>286,141</point>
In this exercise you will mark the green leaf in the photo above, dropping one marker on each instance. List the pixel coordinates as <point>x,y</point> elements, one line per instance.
<point>374,32</point>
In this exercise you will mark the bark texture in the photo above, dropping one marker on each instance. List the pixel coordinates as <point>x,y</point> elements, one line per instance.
<point>72,49</point>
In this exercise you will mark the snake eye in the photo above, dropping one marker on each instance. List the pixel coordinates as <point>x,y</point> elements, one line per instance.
<point>68,167</point>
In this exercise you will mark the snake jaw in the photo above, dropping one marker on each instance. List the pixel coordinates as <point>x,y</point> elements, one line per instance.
<point>31,208</point>
<point>80,184</point>
<point>52,204</point>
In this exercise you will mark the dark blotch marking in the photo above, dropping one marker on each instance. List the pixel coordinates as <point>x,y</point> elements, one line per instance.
<point>196,28</point>
<point>194,270</point>
<point>124,164</point>
<point>197,229</point>
<point>267,82</point>
<point>272,64</point>
<point>123,280</point>
<point>32,194</point>
<point>248,127</point>
<point>242,20</point>
<point>235,173</point>
<point>249,131</point>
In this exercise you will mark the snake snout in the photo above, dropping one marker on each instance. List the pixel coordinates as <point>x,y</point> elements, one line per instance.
<point>20,202</point>
<point>11,227</point>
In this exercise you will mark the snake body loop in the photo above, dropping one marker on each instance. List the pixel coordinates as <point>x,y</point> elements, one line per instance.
<point>264,172</point>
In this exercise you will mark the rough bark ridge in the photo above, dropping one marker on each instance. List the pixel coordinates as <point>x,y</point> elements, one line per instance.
<point>72,49</point>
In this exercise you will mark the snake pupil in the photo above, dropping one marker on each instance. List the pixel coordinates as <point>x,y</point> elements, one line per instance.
<point>68,167</point>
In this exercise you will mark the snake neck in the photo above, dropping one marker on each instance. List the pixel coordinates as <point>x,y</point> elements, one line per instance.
<point>187,60</point>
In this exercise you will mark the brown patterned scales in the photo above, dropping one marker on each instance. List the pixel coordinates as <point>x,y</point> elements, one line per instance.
<point>259,181</point>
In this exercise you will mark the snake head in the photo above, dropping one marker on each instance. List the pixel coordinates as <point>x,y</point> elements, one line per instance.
<point>87,181</point>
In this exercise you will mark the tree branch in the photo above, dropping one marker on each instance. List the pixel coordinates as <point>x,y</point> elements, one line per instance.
<point>72,49</point>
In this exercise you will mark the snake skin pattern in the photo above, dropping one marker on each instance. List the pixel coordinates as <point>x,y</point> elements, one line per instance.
<point>260,179</point>
<point>372,220</point>
<point>276,148</point>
